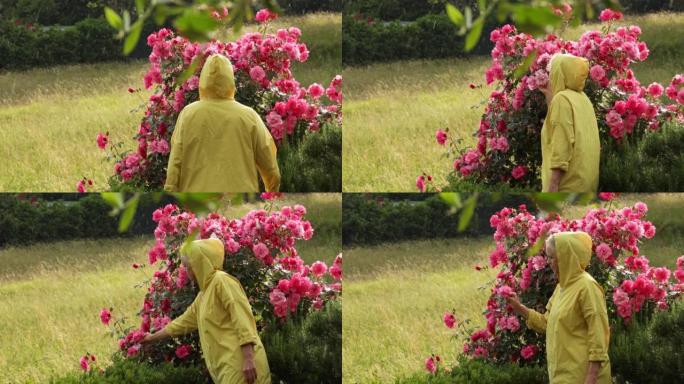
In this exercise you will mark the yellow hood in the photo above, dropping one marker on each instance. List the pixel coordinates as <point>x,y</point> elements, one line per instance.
<point>205,258</point>
<point>573,250</point>
<point>568,72</point>
<point>217,80</point>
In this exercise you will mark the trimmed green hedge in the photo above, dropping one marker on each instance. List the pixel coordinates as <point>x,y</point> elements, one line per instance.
<point>373,219</point>
<point>299,7</point>
<point>428,37</point>
<point>26,221</point>
<point>405,10</point>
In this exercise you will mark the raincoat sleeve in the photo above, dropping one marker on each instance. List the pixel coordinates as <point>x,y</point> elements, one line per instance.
<point>173,169</point>
<point>592,303</point>
<point>185,323</point>
<point>537,321</point>
<point>562,133</point>
<point>239,313</point>
<point>266,160</point>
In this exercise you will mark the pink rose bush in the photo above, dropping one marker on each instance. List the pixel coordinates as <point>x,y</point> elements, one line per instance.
<point>260,250</point>
<point>508,146</point>
<point>262,63</point>
<point>633,288</point>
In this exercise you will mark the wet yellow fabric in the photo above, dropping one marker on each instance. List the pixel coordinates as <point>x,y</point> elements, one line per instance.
<point>218,144</point>
<point>223,316</point>
<point>576,318</point>
<point>570,136</point>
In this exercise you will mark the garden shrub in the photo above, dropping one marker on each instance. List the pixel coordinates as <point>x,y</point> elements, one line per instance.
<point>307,351</point>
<point>315,165</point>
<point>369,219</point>
<point>127,371</point>
<point>650,353</point>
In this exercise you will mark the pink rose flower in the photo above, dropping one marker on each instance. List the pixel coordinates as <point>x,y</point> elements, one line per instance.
<point>449,320</point>
<point>105,316</point>
<point>441,137</point>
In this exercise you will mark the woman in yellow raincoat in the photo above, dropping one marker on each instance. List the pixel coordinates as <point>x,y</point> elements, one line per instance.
<point>571,149</point>
<point>218,144</point>
<point>221,312</point>
<point>576,318</point>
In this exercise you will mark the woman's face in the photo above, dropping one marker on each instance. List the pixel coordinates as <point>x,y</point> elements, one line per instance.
<point>551,254</point>
<point>188,267</point>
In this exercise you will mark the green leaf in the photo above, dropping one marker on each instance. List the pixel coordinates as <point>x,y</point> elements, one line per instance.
<point>128,213</point>
<point>191,237</point>
<point>550,201</point>
<point>525,65</point>
<point>198,202</point>
<point>133,37</point>
<point>140,7</point>
<point>126,21</point>
<point>537,246</point>
<point>189,71</point>
<point>452,198</point>
<point>474,34</point>
<point>467,213</point>
<point>196,25</point>
<point>114,199</point>
<point>113,18</point>
<point>454,14</point>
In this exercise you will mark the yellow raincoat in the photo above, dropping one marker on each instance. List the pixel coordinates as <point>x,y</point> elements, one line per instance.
<point>222,315</point>
<point>576,318</point>
<point>218,144</point>
<point>570,137</point>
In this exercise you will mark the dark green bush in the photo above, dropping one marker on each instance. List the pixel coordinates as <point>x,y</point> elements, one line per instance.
<point>59,12</point>
<point>298,7</point>
<point>655,164</point>
<point>315,165</point>
<point>429,36</point>
<point>88,41</point>
<point>130,371</point>
<point>372,219</point>
<point>645,6</point>
<point>31,219</point>
<point>308,352</point>
<point>479,372</point>
<point>650,353</point>
<point>405,10</point>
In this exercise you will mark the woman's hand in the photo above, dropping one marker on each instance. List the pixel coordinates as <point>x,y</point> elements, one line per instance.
<point>149,338</point>
<point>592,372</point>
<point>514,302</point>
<point>249,370</point>
<point>548,93</point>
<point>248,367</point>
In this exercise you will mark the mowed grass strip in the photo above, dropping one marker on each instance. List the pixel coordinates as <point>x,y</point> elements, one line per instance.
<point>50,117</point>
<point>392,110</point>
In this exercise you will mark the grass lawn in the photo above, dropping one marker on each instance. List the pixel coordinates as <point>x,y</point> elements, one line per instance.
<point>392,110</point>
<point>396,294</point>
<point>49,117</point>
<point>51,293</point>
